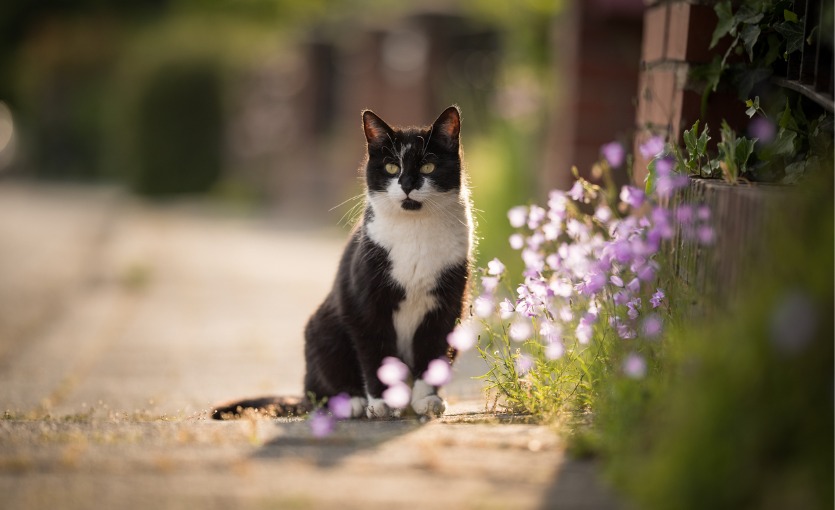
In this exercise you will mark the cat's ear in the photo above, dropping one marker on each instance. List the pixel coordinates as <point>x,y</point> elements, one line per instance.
<point>447,128</point>
<point>377,132</point>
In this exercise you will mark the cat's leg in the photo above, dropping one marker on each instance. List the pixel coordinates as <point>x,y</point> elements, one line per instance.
<point>370,354</point>
<point>331,362</point>
<point>430,340</point>
<point>429,344</point>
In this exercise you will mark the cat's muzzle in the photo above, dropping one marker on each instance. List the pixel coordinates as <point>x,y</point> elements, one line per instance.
<point>410,204</point>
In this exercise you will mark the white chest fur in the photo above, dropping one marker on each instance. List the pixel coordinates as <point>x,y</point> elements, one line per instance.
<point>421,245</point>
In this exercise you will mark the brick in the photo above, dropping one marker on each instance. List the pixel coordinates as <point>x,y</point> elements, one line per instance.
<point>655,34</point>
<point>656,96</point>
<point>678,31</point>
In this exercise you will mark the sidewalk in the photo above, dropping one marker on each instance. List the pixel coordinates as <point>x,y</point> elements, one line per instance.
<point>122,323</point>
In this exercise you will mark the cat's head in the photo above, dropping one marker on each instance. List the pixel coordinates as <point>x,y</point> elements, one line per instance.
<point>410,168</point>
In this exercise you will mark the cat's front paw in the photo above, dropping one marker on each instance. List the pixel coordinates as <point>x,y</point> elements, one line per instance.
<point>425,402</point>
<point>431,405</point>
<point>377,408</point>
<point>358,407</point>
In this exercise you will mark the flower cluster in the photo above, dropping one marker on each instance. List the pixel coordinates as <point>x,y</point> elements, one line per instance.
<point>395,375</point>
<point>590,264</point>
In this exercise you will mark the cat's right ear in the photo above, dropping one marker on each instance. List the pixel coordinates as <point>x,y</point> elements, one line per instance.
<point>377,132</point>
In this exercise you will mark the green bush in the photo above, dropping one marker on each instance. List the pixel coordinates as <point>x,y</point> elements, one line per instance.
<point>179,124</point>
<point>741,416</point>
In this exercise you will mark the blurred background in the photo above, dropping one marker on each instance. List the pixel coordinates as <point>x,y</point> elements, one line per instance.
<point>257,103</point>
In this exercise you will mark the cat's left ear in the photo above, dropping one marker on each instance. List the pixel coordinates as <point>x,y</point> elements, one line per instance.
<point>448,127</point>
<point>377,132</point>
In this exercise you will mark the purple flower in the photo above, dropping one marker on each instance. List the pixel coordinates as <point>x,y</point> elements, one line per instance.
<point>634,305</point>
<point>438,373</point>
<point>634,366</point>
<point>577,192</point>
<point>624,331</point>
<point>321,423</point>
<point>603,214</point>
<point>762,129</point>
<point>632,196</point>
<point>706,235</point>
<point>518,216</point>
<point>684,214</point>
<point>340,406</point>
<point>483,306</point>
<point>463,337</point>
<point>507,309</point>
<point>646,273</point>
<point>524,363</point>
<point>489,283</point>
<point>652,326</point>
<point>617,281</point>
<point>397,396</point>
<point>517,241</point>
<point>703,213</point>
<point>656,298</point>
<point>520,329</point>
<point>392,371</point>
<point>495,267</point>
<point>554,350</point>
<point>584,332</point>
<point>634,286</point>
<point>614,154</point>
<point>535,216</point>
<point>652,148</point>
<point>592,284</point>
<point>621,298</point>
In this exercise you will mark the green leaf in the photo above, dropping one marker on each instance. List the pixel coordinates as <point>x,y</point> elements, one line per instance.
<point>794,172</point>
<point>790,16</point>
<point>748,14</point>
<point>742,151</point>
<point>690,139</point>
<point>783,145</point>
<point>726,21</point>
<point>649,181</point>
<point>701,147</point>
<point>793,34</point>
<point>786,120</point>
<point>749,35</point>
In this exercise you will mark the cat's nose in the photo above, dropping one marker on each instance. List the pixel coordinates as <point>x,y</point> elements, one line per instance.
<point>407,183</point>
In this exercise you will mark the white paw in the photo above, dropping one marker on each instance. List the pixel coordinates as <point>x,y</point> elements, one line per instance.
<point>358,405</point>
<point>424,400</point>
<point>432,405</point>
<point>377,408</point>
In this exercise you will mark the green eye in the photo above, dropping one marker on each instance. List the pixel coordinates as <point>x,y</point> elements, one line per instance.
<point>428,168</point>
<point>391,168</point>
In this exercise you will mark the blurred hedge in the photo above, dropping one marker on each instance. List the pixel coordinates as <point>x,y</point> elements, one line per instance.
<point>178,137</point>
<point>742,414</point>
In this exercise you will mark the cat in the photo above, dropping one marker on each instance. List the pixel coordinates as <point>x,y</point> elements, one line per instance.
<point>402,281</point>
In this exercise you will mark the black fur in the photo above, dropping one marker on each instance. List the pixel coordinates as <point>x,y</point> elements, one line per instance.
<point>352,331</point>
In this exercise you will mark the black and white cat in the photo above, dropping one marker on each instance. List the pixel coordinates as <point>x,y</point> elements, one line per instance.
<point>402,280</point>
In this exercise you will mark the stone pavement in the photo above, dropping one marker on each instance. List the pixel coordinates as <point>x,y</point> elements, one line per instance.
<point>122,322</point>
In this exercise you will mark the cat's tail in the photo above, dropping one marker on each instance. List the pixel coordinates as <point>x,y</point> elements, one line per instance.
<point>266,406</point>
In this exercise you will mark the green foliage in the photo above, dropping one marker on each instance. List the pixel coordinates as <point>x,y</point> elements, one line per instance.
<point>740,413</point>
<point>734,152</point>
<point>179,130</point>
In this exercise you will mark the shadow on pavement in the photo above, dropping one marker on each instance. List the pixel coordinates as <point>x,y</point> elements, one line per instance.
<point>294,440</point>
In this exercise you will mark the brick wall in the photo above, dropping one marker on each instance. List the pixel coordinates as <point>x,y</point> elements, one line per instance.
<point>677,36</point>
<point>597,44</point>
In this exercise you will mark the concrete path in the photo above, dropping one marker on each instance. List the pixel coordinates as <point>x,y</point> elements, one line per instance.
<point>121,323</point>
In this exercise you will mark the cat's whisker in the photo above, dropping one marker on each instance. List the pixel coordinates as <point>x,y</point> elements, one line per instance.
<point>355,197</point>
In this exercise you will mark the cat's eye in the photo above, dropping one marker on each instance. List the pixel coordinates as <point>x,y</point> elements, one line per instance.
<point>391,168</point>
<point>427,168</point>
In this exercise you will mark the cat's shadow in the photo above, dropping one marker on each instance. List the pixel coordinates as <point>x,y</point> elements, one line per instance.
<point>294,439</point>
